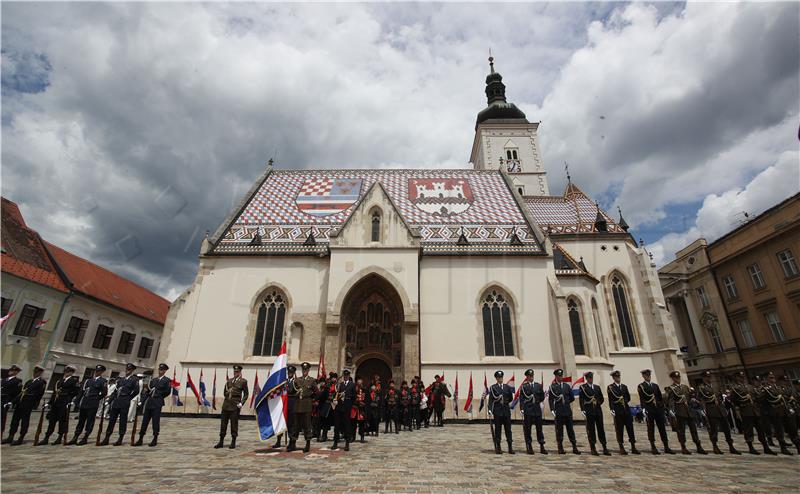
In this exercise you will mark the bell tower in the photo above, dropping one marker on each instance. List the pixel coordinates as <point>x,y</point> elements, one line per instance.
<point>504,138</point>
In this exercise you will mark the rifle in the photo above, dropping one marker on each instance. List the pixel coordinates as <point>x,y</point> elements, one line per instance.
<point>100,428</point>
<point>39,427</point>
<point>66,427</point>
<point>135,424</point>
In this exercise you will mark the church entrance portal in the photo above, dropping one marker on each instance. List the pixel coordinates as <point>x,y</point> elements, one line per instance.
<point>372,367</point>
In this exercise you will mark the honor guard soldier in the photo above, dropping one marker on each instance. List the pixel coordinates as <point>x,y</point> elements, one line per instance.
<point>27,401</point>
<point>792,399</point>
<point>500,397</point>
<point>678,397</point>
<point>11,388</point>
<point>305,388</point>
<point>716,414</point>
<point>291,400</point>
<point>127,389</point>
<point>343,405</point>
<point>560,399</point>
<point>94,390</point>
<point>775,404</point>
<point>652,401</point>
<point>590,399</point>
<point>160,387</point>
<point>439,393</point>
<point>618,399</point>
<point>745,401</point>
<point>391,410</point>
<point>532,396</point>
<point>67,388</point>
<point>327,391</point>
<point>235,396</point>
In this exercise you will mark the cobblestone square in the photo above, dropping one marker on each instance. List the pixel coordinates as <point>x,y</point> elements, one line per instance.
<point>455,458</point>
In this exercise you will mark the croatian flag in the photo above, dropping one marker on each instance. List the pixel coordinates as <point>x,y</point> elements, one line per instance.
<point>468,404</point>
<point>485,392</point>
<point>271,404</point>
<point>190,385</point>
<point>321,366</point>
<point>176,399</point>
<point>6,318</point>
<point>576,386</point>
<point>256,391</point>
<point>455,397</point>
<point>203,390</point>
<point>516,398</point>
<point>214,392</point>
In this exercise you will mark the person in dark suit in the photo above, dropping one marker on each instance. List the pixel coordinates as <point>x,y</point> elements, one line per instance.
<point>591,401</point>
<point>531,397</point>
<point>127,389</point>
<point>94,390</point>
<point>160,388</point>
<point>10,390</point>
<point>653,403</point>
<point>343,405</point>
<point>27,401</point>
<point>65,391</point>
<point>618,401</point>
<point>560,400</point>
<point>500,397</point>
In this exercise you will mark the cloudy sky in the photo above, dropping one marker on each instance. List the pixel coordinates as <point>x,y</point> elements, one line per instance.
<point>128,130</point>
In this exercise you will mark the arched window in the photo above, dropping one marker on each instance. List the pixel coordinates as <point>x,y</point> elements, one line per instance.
<point>376,226</point>
<point>623,312</point>
<point>497,331</point>
<point>575,325</point>
<point>269,326</point>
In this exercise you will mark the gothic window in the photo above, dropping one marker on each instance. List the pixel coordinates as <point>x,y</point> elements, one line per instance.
<point>623,312</point>
<point>497,331</point>
<point>269,326</point>
<point>376,226</point>
<point>575,325</point>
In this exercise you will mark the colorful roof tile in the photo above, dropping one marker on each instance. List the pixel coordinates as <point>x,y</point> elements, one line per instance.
<point>574,212</point>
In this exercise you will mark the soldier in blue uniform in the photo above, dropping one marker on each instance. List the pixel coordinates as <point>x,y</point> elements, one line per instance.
<point>27,401</point>
<point>532,396</point>
<point>618,399</point>
<point>94,390</point>
<point>127,389</point>
<point>591,401</point>
<point>560,399</point>
<point>343,405</point>
<point>653,403</point>
<point>500,397</point>
<point>67,388</point>
<point>11,388</point>
<point>160,387</point>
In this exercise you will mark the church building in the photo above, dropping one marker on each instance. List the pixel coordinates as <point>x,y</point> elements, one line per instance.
<point>404,272</point>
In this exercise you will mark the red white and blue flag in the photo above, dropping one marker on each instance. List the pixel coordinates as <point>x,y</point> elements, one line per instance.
<point>326,196</point>
<point>455,397</point>
<point>468,404</point>
<point>190,385</point>
<point>203,391</point>
<point>485,392</point>
<point>271,403</point>
<point>576,386</point>
<point>256,390</point>
<point>176,399</point>
<point>214,392</point>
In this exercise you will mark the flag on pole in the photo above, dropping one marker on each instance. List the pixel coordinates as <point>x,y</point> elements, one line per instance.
<point>214,392</point>
<point>39,324</point>
<point>203,390</point>
<point>455,397</point>
<point>271,404</point>
<point>468,404</point>
<point>6,318</point>
<point>576,386</point>
<point>256,391</point>
<point>321,367</point>
<point>190,385</point>
<point>176,398</point>
<point>485,392</point>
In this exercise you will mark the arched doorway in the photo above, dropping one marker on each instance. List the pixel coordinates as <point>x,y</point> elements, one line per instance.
<point>371,367</point>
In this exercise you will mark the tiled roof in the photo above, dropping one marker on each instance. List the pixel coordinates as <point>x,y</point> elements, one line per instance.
<point>573,212</point>
<point>23,254</point>
<point>289,205</point>
<point>97,282</point>
<point>566,265</point>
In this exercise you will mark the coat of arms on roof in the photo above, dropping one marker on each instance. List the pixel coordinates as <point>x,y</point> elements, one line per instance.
<point>440,196</point>
<point>327,196</point>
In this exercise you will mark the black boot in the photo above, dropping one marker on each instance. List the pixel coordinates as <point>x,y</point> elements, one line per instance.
<point>510,449</point>
<point>233,443</point>
<point>43,441</point>
<point>18,441</point>
<point>542,449</point>
<point>154,442</point>
<point>561,449</point>
<point>221,442</point>
<point>575,449</point>
<point>622,450</point>
<point>335,446</point>
<point>278,444</point>
<point>105,440</point>
<point>684,450</point>
<point>347,445</point>
<point>752,450</point>
<point>634,451</point>
<point>593,450</point>
<point>785,450</point>
<point>716,449</point>
<point>7,440</point>
<point>529,448</point>
<point>362,439</point>
<point>497,449</point>
<point>324,437</point>
<point>140,441</point>
<point>767,450</point>
<point>119,440</point>
<point>667,450</point>
<point>732,450</point>
<point>308,447</point>
<point>84,440</point>
<point>59,440</point>
<point>653,449</point>
<point>72,441</point>
<point>291,446</point>
<point>606,452</point>
<point>700,450</point>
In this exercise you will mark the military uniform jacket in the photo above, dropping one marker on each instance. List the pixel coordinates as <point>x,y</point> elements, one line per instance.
<point>618,398</point>
<point>591,399</point>
<point>678,396</point>
<point>160,388</point>
<point>774,400</point>
<point>32,393</point>
<point>235,393</point>
<point>650,396</point>
<point>324,397</point>
<point>391,398</point>
<point>67,388</point>
<point>559,399</point>
<point>94,390</point>
<point>126,390</point>
<point>306,389</point>
<point>745,399</point>
<point>500,397</point>
<point>345,394</point>
<point>711,401</point>
<point>531,395</point>
<point>11,388</point>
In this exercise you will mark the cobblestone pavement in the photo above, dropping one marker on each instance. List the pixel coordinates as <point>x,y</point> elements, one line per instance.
<point>458,457</point>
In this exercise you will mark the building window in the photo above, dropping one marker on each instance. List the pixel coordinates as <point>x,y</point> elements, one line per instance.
<point>6,306</point>
<point>715,338</point>
<point>575,325</point>
<point>730,287</point>
<point>145,348</point>
<point>756,276</point>
<point>511,154</point>
<point>76,330</point>
<point>497,331</point>
<point>102,339</point>
<point>787,263</point>
<point>88,373</point>
<point>747,334</point>
<point>269,326</point>
<point>703,296</point>
<point>58,373</point>
<point>623,314</point>
<point>376,226</point>
<point>29,321</point>
<point>125,345</point>
<point>775,326</point>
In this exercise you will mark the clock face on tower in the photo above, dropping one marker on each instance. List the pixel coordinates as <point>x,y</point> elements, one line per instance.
<point>512,166</point>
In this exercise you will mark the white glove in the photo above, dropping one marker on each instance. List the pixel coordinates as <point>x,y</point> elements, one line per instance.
<point>239,405</point>
<point>552,412</point>
<point>613,413</point>
<point>583,413</point>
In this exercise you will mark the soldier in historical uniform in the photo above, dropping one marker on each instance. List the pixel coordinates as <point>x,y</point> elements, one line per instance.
<point>127,389</point>
<point>343,405</point>
<point>745,400</point>
<point>235,396</point>
<point>792,399</point>
<point>160,387</point>
<point>375,399</point>
<point>716,414</point>
<point>360,410</point>
<point>775,404</point>
<point>10,390</point>
<point>304,389</point>
<point>405,405</point>
<point>759,384</point>
<point>392,410</point>
<point>58,407</point>
<point>618,401</point>
<point>560,399</point>
<point>416,400</point>
<point>94,390</point>
<point>531,395</point>
<point>652,401</point>
<point>439,393</point>
<point>500,398</point>
<point>327,391</point>
<point>678,398</point>
<point>590,399</point>
<point>27,401</point>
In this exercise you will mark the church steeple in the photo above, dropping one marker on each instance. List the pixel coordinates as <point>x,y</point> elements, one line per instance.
<point>498,108</point>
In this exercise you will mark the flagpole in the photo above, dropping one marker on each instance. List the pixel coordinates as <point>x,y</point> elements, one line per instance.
<point>201,380</point>
<point>171,400</point>
<point>185,390</point>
